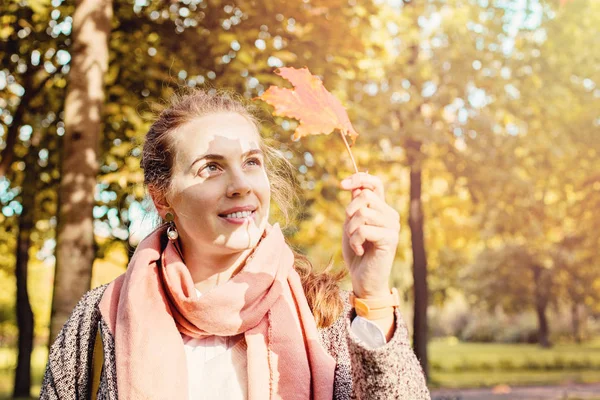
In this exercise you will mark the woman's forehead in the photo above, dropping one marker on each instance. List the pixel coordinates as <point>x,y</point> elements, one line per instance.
<point>220,133</point>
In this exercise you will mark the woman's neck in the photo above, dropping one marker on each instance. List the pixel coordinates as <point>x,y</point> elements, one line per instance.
<point>211,270</point>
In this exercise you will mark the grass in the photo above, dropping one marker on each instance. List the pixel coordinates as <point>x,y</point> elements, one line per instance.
<point>453,365</point>
<point>512,378</point>
<point>460,365</point>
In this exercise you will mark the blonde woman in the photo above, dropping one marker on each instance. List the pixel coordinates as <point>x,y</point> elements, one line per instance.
<point>216,305</point>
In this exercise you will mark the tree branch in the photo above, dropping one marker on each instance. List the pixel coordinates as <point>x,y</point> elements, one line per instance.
<point>17,119</point>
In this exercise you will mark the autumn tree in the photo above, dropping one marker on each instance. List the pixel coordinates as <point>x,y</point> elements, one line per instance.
<point>33,67</point>
<point>417,98</point>
<point>75,250</point>
<point>543,130</point>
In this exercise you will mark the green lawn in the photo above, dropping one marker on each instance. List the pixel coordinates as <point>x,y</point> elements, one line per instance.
<point>453,365</point>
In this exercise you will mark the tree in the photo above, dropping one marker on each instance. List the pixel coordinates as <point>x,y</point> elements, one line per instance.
<point>417,97</point>
<point>543,128</point>
<point>83,113</point>
<point>22,385</point>
<point>512,276</point>
<point>29,61</point>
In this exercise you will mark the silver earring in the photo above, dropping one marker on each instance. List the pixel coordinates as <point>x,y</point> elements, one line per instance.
<point>172,233</point>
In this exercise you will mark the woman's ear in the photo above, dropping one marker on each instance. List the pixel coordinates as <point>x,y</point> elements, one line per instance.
<point>160,201</point>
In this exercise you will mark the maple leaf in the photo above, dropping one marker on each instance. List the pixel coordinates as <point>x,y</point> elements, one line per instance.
<point>317,110</point>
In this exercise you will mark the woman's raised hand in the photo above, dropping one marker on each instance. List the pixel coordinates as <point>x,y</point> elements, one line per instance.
<point>370,239</point>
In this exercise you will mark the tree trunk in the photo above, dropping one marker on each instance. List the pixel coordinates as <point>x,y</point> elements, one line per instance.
<point>83,110</point>
<point>544,341</point>
<point>583,322</point>
<point>22,384</point>
<point>541,304</point>
<point>415,157</point>
<point>576,322</point>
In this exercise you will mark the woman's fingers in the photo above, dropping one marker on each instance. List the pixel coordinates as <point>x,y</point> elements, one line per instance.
<point>363,180</point>
<point>364,216</point>
<point>368,217</point>
<point>366,198</point>
<point>358,227</point>
<point>366,233</point>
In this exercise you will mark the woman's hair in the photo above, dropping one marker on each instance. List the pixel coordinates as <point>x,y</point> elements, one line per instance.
<point>321,288</point>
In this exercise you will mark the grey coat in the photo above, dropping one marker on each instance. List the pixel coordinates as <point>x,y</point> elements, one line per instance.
<point>388,372</point>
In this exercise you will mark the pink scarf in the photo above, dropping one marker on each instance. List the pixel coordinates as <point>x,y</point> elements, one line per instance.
<point>149,306</point>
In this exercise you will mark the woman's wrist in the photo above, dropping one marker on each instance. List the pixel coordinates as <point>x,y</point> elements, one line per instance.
<point>373,292</point>
<point>374,308</point>
<point>377,303</point>
<point>387,324</point>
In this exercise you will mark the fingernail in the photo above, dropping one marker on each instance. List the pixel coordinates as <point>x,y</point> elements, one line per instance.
<point>346,182</point>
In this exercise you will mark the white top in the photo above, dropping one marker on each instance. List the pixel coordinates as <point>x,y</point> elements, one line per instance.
<point>217,365</point>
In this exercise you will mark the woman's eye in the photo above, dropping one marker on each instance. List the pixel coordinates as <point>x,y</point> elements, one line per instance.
<point>254,161</point>
<point>211,167</point>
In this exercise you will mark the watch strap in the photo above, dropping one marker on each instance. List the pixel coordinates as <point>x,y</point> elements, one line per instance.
<point>375,308</point>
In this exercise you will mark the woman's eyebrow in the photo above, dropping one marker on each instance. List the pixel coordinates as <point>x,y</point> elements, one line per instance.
<point>220,157</point>
<point>205,157</point>
<point>253,152</point>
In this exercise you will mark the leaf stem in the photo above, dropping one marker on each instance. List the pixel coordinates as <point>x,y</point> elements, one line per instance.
<point>343,133</point>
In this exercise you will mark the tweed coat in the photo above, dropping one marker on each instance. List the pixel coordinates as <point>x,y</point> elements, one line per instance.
<point>388,372</point>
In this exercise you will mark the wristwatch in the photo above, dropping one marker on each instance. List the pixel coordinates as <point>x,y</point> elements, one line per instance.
<point>375,308</point>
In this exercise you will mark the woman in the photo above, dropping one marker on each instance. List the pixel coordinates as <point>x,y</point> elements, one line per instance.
<point>215,304</point>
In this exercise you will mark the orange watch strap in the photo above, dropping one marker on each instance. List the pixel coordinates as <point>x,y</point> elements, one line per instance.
<point>375,308</point>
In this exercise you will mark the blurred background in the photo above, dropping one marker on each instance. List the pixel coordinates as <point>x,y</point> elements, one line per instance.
<point>481,116</point>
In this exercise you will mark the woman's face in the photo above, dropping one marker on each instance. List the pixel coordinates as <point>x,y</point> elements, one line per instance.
<point>220,192</point>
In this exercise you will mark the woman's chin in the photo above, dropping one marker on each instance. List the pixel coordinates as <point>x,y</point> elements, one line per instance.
<point>243,236</point>
<point>243,239</point>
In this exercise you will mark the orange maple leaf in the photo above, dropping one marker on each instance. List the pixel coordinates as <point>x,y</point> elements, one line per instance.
<point>317,110</point>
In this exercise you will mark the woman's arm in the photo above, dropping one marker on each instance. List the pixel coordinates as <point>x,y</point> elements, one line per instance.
<point>68,372</point>
<point>371,232</point>
<point>391,371</point>
<point>370,240</point>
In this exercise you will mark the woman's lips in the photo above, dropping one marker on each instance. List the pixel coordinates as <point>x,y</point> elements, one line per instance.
<point>239,221</point>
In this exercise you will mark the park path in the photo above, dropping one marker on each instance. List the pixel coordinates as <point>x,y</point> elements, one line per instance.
<point>571,391</point>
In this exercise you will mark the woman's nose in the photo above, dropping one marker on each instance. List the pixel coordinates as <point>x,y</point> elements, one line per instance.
<point>238,185</point>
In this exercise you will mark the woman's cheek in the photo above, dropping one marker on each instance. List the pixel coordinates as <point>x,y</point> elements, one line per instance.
<point>195,200</point>
<point>265,188</point>
<point>263,192</point>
